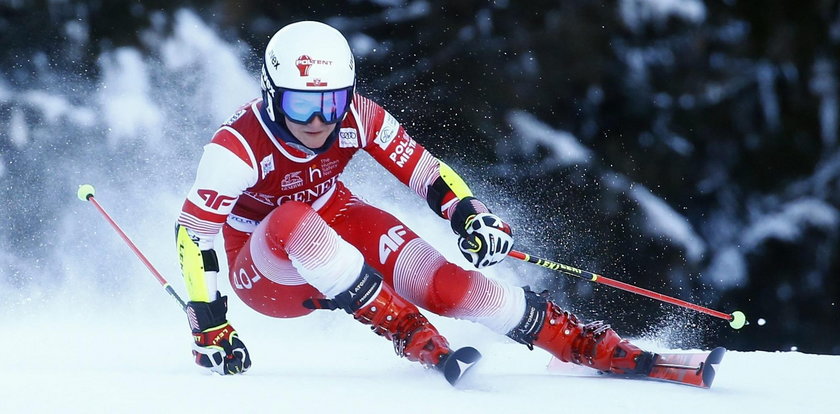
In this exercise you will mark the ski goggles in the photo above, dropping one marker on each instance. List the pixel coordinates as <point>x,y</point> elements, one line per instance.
<point>301,107</point>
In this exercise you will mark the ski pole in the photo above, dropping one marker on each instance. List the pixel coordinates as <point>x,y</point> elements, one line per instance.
<point>736,319</point>
<point>85,193</point>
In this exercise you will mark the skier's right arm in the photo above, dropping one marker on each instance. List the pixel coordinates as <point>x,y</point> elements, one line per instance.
<point>221,177</point>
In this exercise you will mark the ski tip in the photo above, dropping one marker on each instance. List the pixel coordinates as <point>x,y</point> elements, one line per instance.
<point>708,375</point>
<point>456,364</point>
<point>713,359</point>
<point>716,355</point>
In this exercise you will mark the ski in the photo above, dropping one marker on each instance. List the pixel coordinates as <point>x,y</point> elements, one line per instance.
<point>691,368</point>
<point>455,365</point>
<point>688,368</point>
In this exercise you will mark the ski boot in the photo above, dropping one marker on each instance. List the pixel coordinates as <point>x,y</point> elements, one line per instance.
<point>594,345</point>
<point>374,303</point>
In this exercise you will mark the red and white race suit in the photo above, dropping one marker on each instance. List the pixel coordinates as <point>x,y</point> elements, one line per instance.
<point>293,231</point>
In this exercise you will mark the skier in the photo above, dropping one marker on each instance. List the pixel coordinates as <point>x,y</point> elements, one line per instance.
<point>297,239</point>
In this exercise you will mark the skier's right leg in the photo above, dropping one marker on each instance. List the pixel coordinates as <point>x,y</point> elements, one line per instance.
<point>293,255</point>
<point>373,302</point>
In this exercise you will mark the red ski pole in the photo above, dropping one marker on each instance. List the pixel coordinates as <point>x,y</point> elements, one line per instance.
<point>736,319</point>
<point>85,193</point>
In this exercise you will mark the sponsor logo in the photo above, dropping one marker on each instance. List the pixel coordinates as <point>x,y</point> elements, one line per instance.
<point>403,151</point>
<point>262,198</point>
<point>315,173</point>
<point>220,335</point>
<point>214,200</point>
<point>266,84</point>
<point>235,117</point>
<point>291,180</point>
<point>274,61</point>
<point>267,165</point>
<point>390,242</point>
<point>311,194</point>
<point>328,165</point>
<point>347,138</point>
<point>304,63</point>
<point>387,132</point>
<point>242,220</point>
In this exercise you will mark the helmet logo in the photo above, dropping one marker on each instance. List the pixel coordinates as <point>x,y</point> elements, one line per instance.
<point>303,64</point>
<point>274,61</point>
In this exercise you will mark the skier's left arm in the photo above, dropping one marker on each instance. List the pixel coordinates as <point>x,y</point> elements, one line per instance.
<point>483,238</point>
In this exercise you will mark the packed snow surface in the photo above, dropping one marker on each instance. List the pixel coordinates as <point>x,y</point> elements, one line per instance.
<point>136,358</point>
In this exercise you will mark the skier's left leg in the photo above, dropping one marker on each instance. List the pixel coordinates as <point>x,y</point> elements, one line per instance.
<point>422,275</point>
<point>293,252</point>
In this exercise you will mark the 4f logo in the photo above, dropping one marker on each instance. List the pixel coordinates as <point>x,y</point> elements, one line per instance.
<point>390,242</point>
<point>214,200</point>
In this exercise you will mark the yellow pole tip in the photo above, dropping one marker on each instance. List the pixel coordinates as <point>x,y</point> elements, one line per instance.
<point>85,191</point>
<point>738,320</point>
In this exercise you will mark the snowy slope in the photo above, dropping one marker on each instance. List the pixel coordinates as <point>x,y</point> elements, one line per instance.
<point>104,337</point>
<point>93,332</point>
<point>118,360</point>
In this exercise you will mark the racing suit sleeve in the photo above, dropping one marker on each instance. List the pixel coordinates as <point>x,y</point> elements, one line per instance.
<point>225,170</point>
<point>411,163</point>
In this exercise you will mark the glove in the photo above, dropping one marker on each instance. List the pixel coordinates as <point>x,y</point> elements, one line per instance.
<point>217,345</point>
<point>484,239</point>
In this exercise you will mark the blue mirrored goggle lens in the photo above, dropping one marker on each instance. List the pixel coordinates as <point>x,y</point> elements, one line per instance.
<point>301,107</point>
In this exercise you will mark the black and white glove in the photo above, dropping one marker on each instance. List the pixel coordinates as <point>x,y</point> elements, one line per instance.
<point>216,343</point>
<point>484,239</point>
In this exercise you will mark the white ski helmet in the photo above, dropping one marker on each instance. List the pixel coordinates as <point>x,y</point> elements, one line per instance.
<point>308,71</point>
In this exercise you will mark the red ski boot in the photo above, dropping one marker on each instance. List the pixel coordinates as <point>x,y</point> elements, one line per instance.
<point>375,303</point>
<point>594,345</point>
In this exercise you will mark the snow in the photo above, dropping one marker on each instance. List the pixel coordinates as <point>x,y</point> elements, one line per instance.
<point>133,356</point>
<point>362,45</point>
<point>824,85</point>
<point>18,130</point>
<point>55,108</point>
<point>97,334</point>
<point>224,81</point>
<point>565,149</point>
<point>126,84</point>
<point>636,13</point>
<point>728,269</point>
<point>788,224</point>
<point>766,78</point>
<point>662,219</point>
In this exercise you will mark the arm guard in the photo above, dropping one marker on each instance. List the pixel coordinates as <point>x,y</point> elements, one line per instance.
<point>448,182</point>
<point>199,267</point>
